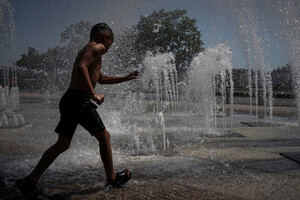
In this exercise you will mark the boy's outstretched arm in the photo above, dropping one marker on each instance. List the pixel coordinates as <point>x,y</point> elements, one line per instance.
<point>103,79</point>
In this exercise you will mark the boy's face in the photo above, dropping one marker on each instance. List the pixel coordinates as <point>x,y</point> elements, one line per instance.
<point>107,41</point>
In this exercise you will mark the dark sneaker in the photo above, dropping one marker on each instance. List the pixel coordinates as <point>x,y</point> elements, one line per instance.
<point>120,180</point>
<point>27,188</point>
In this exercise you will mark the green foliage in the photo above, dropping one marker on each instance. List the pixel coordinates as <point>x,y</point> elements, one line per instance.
<point>74,37</point>
<point>76,32</point>
<point>283,79</point>
<point>169,31</point>
<point>162,31</point>
<point>57,62</point>
<point>31,59</point>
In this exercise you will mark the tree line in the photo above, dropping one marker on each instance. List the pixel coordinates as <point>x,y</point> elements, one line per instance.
<point>161,32</point>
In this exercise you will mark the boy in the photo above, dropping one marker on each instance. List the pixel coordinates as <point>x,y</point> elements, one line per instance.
<point>76,108</point>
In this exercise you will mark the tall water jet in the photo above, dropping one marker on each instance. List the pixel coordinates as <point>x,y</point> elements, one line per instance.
<point>160,75</point>
<point>255,53</point>
<point>9,92</point>
<point>211,73</point>
<point>290,20</point>
<point>160,80</point>
<point>8,55</point>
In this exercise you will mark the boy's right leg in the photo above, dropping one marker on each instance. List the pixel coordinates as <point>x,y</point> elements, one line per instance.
<point>48,157</point>
<point>28,184</point>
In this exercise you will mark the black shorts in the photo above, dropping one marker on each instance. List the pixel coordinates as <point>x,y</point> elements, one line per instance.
<point>76,108</point>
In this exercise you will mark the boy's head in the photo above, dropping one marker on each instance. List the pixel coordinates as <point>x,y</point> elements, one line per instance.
<point>101,29</point>
<point>102,33</point>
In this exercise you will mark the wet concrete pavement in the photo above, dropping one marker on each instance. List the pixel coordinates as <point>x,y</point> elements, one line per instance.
<point>254,163</point>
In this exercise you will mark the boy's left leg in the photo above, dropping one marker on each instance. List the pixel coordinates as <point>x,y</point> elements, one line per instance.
<point>113,179</point>
<point>91,121</point>
<point>106,153</point>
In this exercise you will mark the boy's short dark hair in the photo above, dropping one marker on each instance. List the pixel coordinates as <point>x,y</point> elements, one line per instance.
<point>101,28</point>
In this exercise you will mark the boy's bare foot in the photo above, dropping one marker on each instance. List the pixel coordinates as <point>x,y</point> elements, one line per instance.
<point>120,180</point>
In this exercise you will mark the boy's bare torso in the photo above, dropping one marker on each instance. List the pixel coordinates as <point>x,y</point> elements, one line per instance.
<point>77,81</point>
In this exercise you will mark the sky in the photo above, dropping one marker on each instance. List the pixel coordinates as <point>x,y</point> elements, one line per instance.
<point>40,22</point>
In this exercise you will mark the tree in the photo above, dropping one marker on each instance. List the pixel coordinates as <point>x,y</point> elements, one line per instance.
<point>74,38</point>
<point>58,61</point>
<point>76,35</point>
<point>169,31</point>
<point>283,79</point>
<point>30,60</point>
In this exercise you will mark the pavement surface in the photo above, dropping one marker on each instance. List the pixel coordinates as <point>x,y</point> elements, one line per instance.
<point>247,163</point>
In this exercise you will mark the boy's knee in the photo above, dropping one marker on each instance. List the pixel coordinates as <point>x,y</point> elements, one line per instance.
<point>102,136</point>
<point>62,144</point>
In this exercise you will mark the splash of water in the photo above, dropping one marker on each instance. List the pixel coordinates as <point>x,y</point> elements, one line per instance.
<point>10,119</point>
<point>8,55</point>
<point>161,122</point>
<point>9,94</point>
<point>255,53</point>
<point>211,72</point>
<point>290,20</point>
<point>160,75</point>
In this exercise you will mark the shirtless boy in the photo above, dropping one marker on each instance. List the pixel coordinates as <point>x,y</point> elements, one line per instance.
<point>76,108</point>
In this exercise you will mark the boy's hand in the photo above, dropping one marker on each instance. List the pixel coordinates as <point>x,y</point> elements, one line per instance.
<point>99,98</point>
<point>133,75</point>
